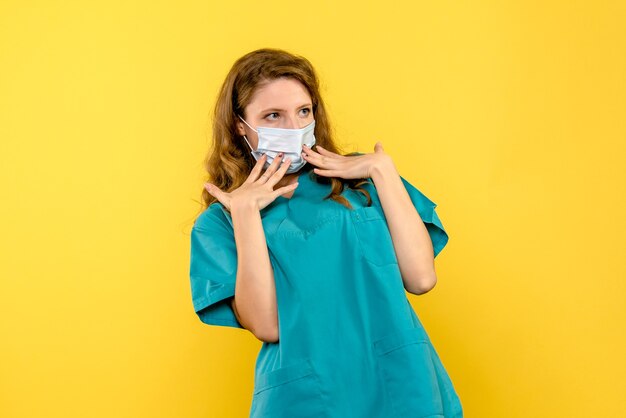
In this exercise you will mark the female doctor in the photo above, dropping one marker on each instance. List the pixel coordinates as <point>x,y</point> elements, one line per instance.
<point>312,251</point>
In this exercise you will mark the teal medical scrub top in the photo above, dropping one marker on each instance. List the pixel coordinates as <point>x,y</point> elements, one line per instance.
<point>350,343</point>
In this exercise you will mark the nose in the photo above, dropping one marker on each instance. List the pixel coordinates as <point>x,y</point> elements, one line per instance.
<point>292,123</point>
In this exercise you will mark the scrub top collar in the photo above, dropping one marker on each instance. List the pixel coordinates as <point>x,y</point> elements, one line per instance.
<point>308,190</point>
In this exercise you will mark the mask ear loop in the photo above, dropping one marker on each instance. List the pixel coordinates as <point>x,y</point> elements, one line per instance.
<point>244,121</point>
<point>244,136</point>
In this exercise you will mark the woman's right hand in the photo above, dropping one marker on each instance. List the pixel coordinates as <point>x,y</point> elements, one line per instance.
<point>256,190</point>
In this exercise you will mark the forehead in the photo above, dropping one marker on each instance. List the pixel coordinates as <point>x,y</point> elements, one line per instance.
<point>282,93</point>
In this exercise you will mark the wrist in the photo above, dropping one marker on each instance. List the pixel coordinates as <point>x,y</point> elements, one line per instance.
<point>238,206</point>
<point>383,169</point>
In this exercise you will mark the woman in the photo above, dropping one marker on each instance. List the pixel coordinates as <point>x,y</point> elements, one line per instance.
<point>312,251</point>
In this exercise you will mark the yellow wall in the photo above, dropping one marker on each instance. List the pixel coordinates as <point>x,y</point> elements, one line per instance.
<point>509,115</point>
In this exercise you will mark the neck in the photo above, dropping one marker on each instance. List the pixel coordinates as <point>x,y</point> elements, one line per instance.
<point>290,178</point>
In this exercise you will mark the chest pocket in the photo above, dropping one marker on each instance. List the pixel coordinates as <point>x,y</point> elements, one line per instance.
<point>373,235</point>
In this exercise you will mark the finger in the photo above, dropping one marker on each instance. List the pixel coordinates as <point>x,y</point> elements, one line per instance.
<point>378,147</point>
<point>256,170</point>
<point>325,157</point>
<point>275,164</point>
<point>323,161</point>
<point>285,189</point>
<point>324,151</point>
<point>214,191</point>
<point>280,173</point>
<point>219,194</point>
<point>326,173</point>
<point>271,169</point>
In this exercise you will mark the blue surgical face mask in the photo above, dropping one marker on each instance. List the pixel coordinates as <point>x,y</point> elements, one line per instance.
<point>288,141</point>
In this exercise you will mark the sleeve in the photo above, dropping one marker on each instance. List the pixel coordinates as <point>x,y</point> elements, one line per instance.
<point>426,209</point>
<point>213,268</point>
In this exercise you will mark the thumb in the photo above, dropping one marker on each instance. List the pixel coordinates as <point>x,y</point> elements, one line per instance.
<point>378,147</point>
<point>213,190</point>
<point>218,194</point>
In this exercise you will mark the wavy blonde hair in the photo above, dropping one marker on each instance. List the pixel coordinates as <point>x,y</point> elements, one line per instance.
<point>229,161</point>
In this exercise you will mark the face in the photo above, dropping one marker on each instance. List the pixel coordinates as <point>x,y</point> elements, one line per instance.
<point>282,103</point>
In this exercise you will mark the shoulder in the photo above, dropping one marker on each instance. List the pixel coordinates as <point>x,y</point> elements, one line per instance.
<point>416,194</point>
<point>212,218</point>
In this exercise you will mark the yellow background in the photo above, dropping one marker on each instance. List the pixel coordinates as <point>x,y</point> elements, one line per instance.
<point>509,115</point>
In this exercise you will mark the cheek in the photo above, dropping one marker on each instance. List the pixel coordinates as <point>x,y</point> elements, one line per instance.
<point>253,139</point>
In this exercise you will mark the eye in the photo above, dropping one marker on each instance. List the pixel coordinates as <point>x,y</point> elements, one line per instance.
<point>270,114</point>
<point>308,110</point>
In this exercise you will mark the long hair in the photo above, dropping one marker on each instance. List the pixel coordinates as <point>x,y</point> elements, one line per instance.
<point>229,161</point>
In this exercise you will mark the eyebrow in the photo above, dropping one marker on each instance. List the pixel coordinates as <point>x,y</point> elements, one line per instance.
<point>282,110</point>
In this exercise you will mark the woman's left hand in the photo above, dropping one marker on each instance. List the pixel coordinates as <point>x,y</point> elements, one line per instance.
<point>330,164</point>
